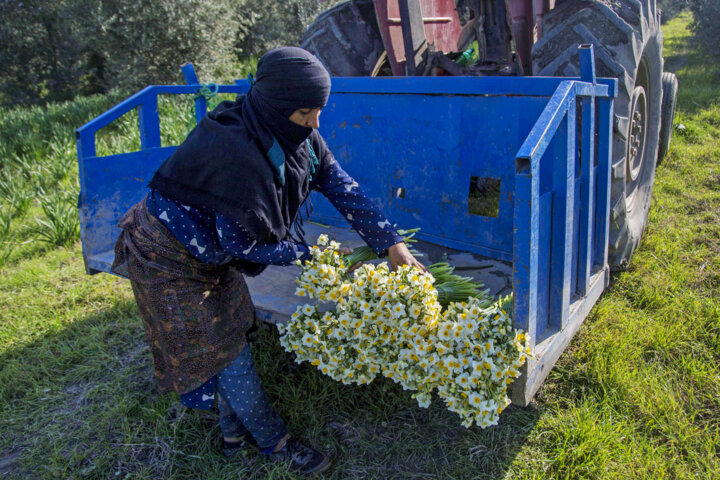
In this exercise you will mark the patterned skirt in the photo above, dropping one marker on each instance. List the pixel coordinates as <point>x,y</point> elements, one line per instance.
<point>196,314</point>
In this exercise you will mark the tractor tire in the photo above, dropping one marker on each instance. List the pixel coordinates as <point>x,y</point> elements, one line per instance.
<point>346,39</point>
<point>628,46</point>
<point>670,90</point>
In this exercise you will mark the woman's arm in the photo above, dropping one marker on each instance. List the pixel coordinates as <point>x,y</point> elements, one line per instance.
<point>364,216</point>
<point>235,241</point>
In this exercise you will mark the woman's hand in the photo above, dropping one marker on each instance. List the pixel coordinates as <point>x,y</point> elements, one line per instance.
<point>399,255</point>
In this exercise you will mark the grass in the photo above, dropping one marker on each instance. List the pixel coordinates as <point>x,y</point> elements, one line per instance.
<point>636,395</point>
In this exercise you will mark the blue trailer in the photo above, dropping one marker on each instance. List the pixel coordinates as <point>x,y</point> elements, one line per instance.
<point>507,177</point>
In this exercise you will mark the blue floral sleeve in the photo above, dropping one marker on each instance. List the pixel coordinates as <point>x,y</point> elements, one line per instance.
<point>365,217</point>
<point>236,241</point>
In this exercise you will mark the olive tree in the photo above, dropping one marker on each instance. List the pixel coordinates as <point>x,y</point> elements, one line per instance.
<point>706,25</point>
<point>270,24</point>
<point>57,50</point>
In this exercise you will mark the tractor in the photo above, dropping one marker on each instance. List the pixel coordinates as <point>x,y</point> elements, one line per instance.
<point>490,127</point>
<point>525,38</point>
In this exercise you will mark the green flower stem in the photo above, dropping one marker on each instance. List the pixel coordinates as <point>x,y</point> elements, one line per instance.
<point>450,287</point>
<point>365,253</point>
<point>454,288</point>
<point>360,254</point>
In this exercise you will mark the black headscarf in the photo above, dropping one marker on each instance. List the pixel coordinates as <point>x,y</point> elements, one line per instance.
<point>225,162</point>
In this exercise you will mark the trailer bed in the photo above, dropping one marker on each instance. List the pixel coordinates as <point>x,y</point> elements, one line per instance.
<point>273,292</point>
<point>507,178</point>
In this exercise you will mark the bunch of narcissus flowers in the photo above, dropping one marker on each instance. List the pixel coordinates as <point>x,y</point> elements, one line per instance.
<point>392,323</point>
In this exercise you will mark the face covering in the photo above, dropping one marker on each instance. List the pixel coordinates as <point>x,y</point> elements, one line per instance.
<point>224,163</point>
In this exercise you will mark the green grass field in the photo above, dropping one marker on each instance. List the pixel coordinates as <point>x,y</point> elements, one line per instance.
<point>636,395</point>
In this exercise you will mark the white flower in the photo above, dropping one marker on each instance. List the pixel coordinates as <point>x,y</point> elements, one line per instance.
<point>463,380</point>
<point>391,323</point>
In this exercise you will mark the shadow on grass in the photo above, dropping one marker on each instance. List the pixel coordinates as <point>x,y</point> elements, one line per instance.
<point>378,431</point>
<point>66,396</point>
<point>81,402</point>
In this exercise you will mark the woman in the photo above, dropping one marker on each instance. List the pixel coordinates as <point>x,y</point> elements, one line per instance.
<point>225,204</point>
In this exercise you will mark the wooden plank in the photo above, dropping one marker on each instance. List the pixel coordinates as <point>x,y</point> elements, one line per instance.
<point>135,100</point>
<point>525,250</point>
<point>149,121</point>
<point>115,112</point>
<point>602,216</point>
<point>543,278</point>
<point>537,142</point>
<point>515,86</point>
<point>562,220</point>
<point>549,350</point>
<point>85,142</point>
<point>387,142</point>
<point>587,196</point>
<point>586,53</point>
<point>188,71</point>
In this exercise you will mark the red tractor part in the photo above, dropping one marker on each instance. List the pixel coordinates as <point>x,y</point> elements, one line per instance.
<point>440,28</point>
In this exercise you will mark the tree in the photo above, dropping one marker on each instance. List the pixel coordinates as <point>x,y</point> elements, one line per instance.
<point>55,50</point>
<point>706,25</point>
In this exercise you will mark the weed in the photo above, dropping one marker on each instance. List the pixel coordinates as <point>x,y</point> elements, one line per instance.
<point>7,185</point>
<point>13,193</point>
<point>7,246</point>
<point>60,224</point>
<point>21,163</point>
<point>5,218</point>
<point>62,160</point>
<point>42,180</point>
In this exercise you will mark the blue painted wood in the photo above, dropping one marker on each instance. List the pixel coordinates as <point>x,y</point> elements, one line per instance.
<point>432,152</point>
<point>534,146</point>
<point>587,63</point>
<point>85,144</point>
<point>612,85</point>
<point>149,120</point>
<point>602,216</point>
<point>240,87</point>
<point>587,196</point>
<point>188,71</point>
<point>587,170</point>
<point>85,141</point>
<point>200,108</point>
<point>191,79</point>
<point>562,218</point>
<point>338,221</point>
<point>575,236</point>
<point>115,112</point>
<point>583,89</point>
<point>595,266</point>
<point>525,251</point>
<point>550,349</point>
<point>118,181</point>
<point>543,282</point>
<point>521,86</point>
<point>136,100</point>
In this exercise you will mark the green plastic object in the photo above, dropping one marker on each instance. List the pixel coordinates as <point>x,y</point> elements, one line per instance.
<point>464,59</point>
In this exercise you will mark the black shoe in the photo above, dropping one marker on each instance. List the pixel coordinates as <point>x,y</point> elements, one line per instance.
<point>231,448</point>
<point>303,460</point>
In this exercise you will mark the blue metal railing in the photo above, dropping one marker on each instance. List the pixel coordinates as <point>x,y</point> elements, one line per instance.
<point>546,307</point>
